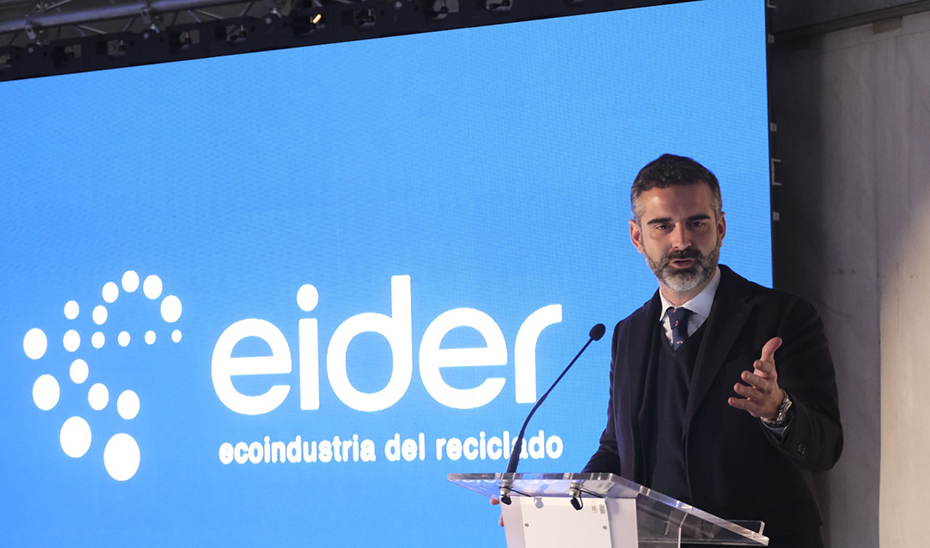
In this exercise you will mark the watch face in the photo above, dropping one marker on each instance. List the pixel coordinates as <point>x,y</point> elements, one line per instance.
<point>783,410</point>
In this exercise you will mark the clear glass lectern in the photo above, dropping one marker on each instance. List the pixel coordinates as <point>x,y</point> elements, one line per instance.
<point>602,511</point>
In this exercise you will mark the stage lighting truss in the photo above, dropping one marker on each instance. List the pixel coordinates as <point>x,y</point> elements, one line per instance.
<point>64,36</point>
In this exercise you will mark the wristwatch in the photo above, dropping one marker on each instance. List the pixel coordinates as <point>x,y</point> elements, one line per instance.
<point>782,417</point>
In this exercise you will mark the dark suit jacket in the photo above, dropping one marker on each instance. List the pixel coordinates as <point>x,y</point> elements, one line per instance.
<point>736,468</point>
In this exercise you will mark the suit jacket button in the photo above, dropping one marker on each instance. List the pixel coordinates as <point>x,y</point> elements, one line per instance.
<point>802,448</point>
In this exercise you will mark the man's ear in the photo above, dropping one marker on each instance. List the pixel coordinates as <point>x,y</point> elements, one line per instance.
<point>721,227</point>
<point>636,236</point>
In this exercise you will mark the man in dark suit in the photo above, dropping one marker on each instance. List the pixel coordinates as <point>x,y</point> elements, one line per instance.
<point>722,392</point>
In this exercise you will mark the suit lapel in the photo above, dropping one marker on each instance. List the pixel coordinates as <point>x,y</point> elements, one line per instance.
<point>638,348</point>
<point>727,317</point>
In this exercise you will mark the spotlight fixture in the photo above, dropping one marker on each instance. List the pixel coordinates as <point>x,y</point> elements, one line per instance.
<point>304,25</point>
<point>236,34</point>
<point>441,8</point>
<point>63,54</point>
<point>498,6</point>
<point>6,62</point>
<point>183,40</point>
<point>116,49</point>
<point>364,19</point>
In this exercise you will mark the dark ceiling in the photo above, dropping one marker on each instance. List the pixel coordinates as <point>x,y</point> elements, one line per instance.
<point>64,36</point>
<point>47,37</point>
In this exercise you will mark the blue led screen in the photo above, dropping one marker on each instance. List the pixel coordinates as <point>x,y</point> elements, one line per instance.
<point>274,299</point>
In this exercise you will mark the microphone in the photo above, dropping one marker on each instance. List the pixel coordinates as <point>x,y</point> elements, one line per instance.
<point>594,335</point>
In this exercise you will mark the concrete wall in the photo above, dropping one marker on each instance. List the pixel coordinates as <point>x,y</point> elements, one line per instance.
<point>853,115</point>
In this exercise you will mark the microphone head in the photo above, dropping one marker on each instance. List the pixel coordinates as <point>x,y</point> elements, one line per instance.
<point>597,332</point>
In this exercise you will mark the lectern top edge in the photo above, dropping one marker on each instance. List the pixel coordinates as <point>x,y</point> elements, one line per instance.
<point>609,486</point>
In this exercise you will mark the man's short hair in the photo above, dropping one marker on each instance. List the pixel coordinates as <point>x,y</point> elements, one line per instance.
<point>670,170</point>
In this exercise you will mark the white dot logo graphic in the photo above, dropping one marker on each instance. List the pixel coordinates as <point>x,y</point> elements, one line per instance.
<point>121,457</point>
<point>130,281</point>
<point>75,437</point>
<point>171,309</point>
<point>110,292</point>
<point>98,396</point>
<point>307,297</point>
<point>35,343</point>
<point>45,392</point>
<point>128,405</point>
<point>78,371</point>
<point>152,287</point>
<point>121,454</point>
<point>99,314</point>
<point>71,340</point>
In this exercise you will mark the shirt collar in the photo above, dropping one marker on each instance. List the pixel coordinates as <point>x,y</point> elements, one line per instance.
<point>701,303</point>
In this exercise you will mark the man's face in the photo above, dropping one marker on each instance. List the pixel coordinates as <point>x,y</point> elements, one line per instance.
<point>678,234</point>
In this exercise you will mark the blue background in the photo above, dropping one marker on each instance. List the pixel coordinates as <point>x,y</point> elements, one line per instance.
<point>491,165</point>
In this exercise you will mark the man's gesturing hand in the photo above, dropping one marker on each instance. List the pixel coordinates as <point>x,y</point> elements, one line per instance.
<point>763,395</point>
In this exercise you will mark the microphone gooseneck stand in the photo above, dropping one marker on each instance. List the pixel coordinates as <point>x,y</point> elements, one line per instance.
<point>594,335</point>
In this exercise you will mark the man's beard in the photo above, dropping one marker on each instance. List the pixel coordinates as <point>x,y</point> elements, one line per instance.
<point>683,280</point>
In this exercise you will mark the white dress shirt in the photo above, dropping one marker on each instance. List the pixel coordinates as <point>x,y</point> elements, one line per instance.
<point>699,306</point>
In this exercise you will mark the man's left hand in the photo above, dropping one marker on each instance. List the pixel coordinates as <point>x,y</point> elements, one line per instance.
<point>762,397</point>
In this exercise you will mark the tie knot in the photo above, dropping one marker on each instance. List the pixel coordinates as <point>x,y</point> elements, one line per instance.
<point>678,314</point>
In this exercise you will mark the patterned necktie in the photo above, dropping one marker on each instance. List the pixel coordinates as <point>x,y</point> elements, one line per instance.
<point>678,320</point>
